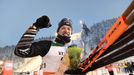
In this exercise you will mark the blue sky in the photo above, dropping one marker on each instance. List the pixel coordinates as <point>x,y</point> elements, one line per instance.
<point>17,15</point>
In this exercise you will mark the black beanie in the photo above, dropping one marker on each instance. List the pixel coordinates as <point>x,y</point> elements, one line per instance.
<point>64,21</point>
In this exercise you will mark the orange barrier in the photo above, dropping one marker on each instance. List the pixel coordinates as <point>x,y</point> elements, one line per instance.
<point>119,27</point>
<point>113,34</point>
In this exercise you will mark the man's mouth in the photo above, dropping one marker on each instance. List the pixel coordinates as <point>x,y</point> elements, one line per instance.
<point>66,34</point>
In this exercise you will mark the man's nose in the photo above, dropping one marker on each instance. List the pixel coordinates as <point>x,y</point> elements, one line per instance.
<point>66,30</point>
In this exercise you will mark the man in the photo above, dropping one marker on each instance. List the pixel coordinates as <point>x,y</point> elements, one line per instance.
<point>51,51</point>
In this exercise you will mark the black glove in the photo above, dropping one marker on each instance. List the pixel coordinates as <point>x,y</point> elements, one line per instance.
<point>42,22</point>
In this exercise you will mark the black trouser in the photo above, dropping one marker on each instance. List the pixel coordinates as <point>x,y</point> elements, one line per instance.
<point>111,72</point>
<point>74,72</point>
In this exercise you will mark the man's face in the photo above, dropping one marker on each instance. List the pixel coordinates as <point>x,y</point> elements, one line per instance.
<point>65,30</point>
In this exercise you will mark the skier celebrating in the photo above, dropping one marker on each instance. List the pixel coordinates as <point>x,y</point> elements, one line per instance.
<point>51,51</point>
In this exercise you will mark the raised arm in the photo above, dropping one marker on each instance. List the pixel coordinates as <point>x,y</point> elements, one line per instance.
<point>26,47</point>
